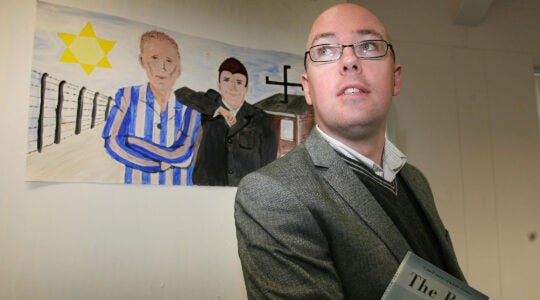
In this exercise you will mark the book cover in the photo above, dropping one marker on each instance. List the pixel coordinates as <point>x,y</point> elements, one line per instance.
<point>416,278</point>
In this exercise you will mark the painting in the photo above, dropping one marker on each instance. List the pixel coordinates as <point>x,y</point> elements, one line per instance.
<point>114,100</point>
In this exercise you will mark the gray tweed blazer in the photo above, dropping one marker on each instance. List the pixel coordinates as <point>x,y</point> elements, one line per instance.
<point>308,228</point>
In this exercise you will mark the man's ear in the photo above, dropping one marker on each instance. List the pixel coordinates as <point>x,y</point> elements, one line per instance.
<point>140,60</point>
<point>305,85</point>
<point>397,79</point>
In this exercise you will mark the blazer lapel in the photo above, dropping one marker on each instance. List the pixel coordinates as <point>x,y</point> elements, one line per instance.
<point>343,180</point>
<point>242,119</point>
<point>425,198</point>
<point>423,194</point>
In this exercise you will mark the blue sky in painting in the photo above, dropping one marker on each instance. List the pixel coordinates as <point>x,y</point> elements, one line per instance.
<point>200,57</point>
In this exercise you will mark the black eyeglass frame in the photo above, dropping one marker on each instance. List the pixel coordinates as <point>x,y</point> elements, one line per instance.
<point>388,46</point>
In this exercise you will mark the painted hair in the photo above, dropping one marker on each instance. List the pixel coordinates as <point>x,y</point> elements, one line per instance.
<point>157,35</point>
<point>234,66</point>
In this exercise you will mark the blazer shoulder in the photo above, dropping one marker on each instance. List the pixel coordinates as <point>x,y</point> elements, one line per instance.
<point>297,160</point>
<point>255,112</point>
<point>292,165</point>
<point>413,173</point>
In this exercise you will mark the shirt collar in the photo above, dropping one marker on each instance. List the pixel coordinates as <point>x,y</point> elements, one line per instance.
<point>392,160</point>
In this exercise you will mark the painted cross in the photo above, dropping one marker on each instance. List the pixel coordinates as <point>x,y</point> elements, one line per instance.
<point>285,84</point>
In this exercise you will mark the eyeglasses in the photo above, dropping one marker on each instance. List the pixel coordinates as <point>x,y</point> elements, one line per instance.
<point>367,49</point>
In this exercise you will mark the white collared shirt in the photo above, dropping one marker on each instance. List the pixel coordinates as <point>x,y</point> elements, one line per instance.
<point>392,160</point>
<point>233,110</point>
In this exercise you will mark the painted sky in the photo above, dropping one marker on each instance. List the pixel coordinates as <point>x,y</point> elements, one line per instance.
<point>200,57</point>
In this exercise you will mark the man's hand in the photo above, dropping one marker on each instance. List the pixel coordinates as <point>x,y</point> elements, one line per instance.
<point>229,116</point>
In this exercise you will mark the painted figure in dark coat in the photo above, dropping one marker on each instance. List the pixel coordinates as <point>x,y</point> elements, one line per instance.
<point>232,144</point>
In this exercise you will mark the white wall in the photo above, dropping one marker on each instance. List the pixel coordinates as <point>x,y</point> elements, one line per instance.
<point>95,241</point>
<point>466,116</point>
<point>537,78</point>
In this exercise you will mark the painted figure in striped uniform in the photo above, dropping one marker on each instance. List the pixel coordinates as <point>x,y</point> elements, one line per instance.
<point>148,130</point>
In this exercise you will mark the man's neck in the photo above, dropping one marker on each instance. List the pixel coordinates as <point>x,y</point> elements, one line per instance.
<point>392,160</point>
<point>161,97</point>
<point>369,145</point>
<point>372,150</point>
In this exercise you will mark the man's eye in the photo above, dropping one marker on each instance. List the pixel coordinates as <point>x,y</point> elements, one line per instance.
<point>325,51</point>
<point>368,47</point>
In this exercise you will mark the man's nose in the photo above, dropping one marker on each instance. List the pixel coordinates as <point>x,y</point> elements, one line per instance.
<point>349,61</point>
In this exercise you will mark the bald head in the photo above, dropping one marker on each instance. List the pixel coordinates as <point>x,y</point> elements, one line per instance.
<point>350,94</point>
<point>345,18</point>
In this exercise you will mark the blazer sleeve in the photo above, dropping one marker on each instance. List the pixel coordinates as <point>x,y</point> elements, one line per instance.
<point>205,103</point>
<point>284,253</point>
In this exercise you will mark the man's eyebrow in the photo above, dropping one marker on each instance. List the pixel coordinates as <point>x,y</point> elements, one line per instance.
<point>361,32</point>
<point>322,35</point>
<point>370,32</point>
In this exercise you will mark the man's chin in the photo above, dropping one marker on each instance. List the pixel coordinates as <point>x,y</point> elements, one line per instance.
<point>233,102</point>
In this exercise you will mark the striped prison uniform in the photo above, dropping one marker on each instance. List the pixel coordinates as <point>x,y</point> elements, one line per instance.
<point>155,147</point>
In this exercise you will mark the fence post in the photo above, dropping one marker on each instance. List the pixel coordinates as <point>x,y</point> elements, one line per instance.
<point>80,102</point>
<point>109,100</point>
<point>41,111</point>
<point>59,107</point>
<point>94,110</point>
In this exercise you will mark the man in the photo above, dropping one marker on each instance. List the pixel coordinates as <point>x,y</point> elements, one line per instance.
<point>334,218</point>
<point>148,130</point>
<point>237,137</point>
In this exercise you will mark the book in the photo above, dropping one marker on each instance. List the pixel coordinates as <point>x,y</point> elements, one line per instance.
<point>416,278</point>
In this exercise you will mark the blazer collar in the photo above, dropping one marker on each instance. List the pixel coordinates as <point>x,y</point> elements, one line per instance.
<point>343,180</point>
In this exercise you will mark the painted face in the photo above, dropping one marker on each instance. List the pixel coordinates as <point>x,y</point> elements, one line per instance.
<point>160,60</point>
<point>351,96</point>
<point>232,88</point>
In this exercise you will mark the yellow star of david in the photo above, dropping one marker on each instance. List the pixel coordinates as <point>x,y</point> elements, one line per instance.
<point>86,49</point>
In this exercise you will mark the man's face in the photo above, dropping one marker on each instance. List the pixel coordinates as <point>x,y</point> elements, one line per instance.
<point>232,88</point>
<point>160,60</point>
<point>351,96</point>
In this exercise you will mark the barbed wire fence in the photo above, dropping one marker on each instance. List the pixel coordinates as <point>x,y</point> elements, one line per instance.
<point>59,109</point>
